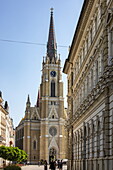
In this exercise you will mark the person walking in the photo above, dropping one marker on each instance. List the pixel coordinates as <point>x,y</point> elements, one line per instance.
<point>60,165</point>
<point>45,165</point>
<point>52,165</point>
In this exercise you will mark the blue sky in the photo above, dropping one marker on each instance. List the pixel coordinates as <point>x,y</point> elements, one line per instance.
<point>20,64</point>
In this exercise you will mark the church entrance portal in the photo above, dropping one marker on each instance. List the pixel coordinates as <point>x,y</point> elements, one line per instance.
<point>52,154</point>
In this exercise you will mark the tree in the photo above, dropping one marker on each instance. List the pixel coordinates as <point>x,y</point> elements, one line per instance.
<point>12,153</point>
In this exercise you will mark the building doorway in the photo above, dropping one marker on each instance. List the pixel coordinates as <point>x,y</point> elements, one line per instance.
<point>52,154</point>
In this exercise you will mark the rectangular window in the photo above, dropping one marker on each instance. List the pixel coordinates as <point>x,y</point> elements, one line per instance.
<point>95,24</point>
<point>97,71</point>
<point>92,79</point>
<point>87,45</point>
<point>83,52</point>
<point>87,84</point>
<point>112,44</point>
<point>91,36</point>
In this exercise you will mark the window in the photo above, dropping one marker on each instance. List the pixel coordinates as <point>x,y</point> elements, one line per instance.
<point>93,129</point>
<point>92,79</point>
<point>96,71</point>
<point>53,116</point>
<point>52,88</point>
<point>83,52</point>
<point>84,146</point>
<point>88,142</point>
<point>95,24</point>
<point>80,60</point>
<point>71,78</point>
<point>87,85</point>
<point>53,103</point>
<point>98,139</point>
<point>87,45</point>
<point>34,144</point>
<point>91,36</point>
<point>53,131</point>
<point>112,44</point>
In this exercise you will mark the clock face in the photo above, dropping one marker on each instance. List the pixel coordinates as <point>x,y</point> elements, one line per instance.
<point>53,73</point>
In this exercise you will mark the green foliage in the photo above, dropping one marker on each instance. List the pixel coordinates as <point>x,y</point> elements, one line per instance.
<point>12,153</point>
<point>12,167</point>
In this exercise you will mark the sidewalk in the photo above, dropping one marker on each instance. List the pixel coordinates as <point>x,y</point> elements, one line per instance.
<point>36,167</point>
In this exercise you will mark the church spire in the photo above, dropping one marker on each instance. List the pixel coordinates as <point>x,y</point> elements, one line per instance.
<point>28,103</point>
<point>51,44</point>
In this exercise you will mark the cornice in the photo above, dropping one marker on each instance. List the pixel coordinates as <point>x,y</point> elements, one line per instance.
<point>84,15</point>
<point>3,110</point>
<point>66,66</point>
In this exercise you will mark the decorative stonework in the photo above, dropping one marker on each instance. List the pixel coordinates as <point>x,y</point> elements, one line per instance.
<point>90,89</point>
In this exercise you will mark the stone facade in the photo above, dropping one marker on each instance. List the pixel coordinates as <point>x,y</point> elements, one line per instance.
<point>41,132</point>
<point>6,126</point>
<point>89,69</point>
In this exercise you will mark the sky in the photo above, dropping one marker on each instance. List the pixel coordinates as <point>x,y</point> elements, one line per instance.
<point>21,63</point>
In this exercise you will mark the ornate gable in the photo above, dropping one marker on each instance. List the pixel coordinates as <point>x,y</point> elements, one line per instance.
<point>53,113</point>
<point>35,114</point>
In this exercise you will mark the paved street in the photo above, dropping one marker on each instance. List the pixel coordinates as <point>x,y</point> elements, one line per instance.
<point>36,167</point>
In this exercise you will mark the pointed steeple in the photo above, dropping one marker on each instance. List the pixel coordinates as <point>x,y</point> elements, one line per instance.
<point>51,44</point>
<point>28,101</point>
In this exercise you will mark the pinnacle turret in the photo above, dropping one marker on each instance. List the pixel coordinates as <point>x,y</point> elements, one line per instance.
<point>28,104</point>
<point>51,44</point>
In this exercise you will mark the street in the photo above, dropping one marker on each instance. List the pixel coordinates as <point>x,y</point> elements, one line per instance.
<point>36,167</point>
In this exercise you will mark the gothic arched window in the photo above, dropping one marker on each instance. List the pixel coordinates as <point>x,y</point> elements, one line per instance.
<point>52,88</point>
<point>34,144</point>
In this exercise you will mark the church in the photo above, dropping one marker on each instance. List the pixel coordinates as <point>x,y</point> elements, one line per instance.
<point>41,133</point>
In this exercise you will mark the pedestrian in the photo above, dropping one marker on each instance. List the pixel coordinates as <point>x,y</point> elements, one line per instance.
<point>52,165</point>
<point>60,165</point>
<point>39,163</point>
<point>45,165</point>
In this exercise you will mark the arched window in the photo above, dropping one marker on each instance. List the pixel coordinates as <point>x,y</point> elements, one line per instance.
<point>52,88</point>
<point>34,144</point>
<point>53,117</point>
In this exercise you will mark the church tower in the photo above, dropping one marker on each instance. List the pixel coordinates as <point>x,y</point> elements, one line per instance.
<point>52,137</point>
<point>41,132</point>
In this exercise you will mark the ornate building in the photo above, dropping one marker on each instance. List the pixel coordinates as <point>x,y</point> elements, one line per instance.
<point>89,69</point>
<point>6,126</point>
<point>41,132</point>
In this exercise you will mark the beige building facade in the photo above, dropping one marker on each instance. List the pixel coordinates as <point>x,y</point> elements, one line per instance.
<point>6,126</point>
<point>89,69</point>
<point>41,132</point>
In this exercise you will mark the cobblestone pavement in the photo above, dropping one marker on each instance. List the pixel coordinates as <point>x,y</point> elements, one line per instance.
<point>36,167</point>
